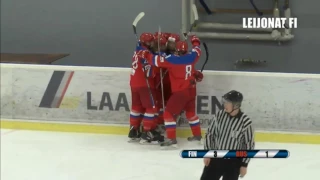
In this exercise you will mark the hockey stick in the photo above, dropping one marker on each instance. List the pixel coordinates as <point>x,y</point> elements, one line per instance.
<point>161,71</point>
<point>256,9</point>
<point>207,56</point>
<point>195,22</point>
<point>205,7</point>
<point>135,22</point>
<point>149,89</point>
<point>164,74</point>
<point>196,19</point>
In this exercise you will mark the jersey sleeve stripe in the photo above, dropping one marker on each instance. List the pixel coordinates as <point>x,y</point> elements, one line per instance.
<point>155,60</point>
<point>197,50</point>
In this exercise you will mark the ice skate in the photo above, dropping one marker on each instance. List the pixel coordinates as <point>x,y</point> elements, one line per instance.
<point>151,137</point>
<point>179,120</point>
<point>134,135</point>
<point>169,144</point>
<point>161,129</point>
<point>195,139</point>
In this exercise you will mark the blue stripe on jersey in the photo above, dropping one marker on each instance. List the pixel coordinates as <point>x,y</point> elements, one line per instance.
<point>139,47</point>
<point>182,60</point>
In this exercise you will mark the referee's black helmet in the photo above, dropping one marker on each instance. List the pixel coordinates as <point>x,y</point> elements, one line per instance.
<point>234,97</point>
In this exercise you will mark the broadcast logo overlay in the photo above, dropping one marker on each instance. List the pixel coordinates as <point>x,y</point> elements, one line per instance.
<point>274,23</point>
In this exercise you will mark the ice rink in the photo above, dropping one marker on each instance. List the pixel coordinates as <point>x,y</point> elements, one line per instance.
<point>31,155</point>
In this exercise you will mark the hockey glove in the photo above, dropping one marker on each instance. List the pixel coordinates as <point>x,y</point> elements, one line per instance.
<point>198,76</point>
<point>195,41</point>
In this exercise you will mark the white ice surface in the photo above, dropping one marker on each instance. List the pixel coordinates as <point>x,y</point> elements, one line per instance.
<point>31,155</point>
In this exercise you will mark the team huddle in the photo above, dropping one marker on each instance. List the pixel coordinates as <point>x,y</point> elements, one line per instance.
<point>163,85</point>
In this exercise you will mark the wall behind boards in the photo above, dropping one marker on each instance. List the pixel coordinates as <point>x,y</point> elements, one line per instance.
<point>99,32</point>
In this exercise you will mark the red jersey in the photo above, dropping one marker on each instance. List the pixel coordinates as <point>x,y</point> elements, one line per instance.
<point>140,71</point>
<point>180,68</point>
<point>165,80</point>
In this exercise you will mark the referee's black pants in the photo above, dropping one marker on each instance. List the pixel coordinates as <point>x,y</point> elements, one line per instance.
<point>228,168</point>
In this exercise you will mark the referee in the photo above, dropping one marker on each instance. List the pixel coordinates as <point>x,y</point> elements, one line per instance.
<point>231,129</point>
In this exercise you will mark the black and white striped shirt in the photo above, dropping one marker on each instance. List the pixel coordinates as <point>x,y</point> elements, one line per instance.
<point>226,132</point>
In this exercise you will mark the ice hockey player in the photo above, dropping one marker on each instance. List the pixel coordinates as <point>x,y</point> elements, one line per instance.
<point>194,121</point>
<point>162,41</point>
<point>180,69</point>
<point>143,105</point>
<point>169,49</point>
<point>171,45</point>
<point>198,77</point>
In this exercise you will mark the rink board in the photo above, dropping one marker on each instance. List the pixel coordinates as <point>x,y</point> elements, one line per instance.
<point>92,99</point>
<point>260,136</point>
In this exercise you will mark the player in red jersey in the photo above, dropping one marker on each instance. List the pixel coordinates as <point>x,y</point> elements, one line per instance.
<point>143,95</point>
<point>182,79</point>
<point>169,49</point>
<point>190,110</point>
<point>190,113</point>
<point>162,42</point>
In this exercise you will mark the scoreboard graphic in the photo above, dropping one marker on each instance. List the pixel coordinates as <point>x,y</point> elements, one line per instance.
<point>234,154</point>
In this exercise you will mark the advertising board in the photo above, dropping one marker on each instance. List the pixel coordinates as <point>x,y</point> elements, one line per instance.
<point>275,102</point>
